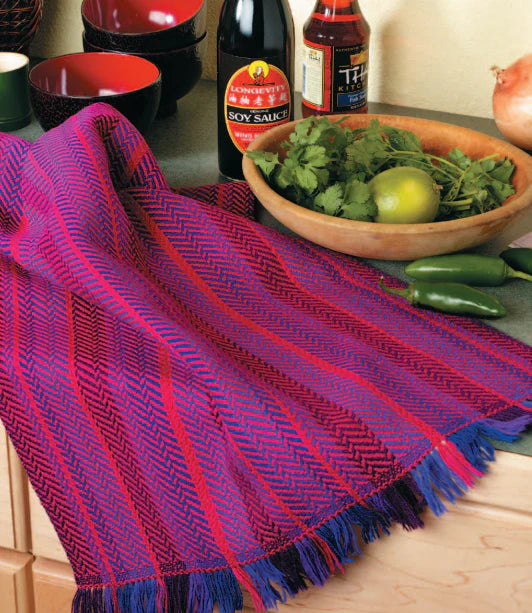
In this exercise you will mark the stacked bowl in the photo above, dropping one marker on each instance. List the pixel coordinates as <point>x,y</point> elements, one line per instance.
<point>62,86</point>
<point>169,33</point>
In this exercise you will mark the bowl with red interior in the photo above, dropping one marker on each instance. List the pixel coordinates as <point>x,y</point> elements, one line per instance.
<point>180,68</point>
<point>62,86</point>
<point>144,26</point>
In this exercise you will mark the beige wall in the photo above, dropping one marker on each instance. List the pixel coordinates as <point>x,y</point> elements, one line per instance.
<point>433,54</point>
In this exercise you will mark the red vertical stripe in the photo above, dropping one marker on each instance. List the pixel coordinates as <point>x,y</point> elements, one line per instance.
<point>42,422</point>
<point>103,443</point>
<point>104,182</point>
<point>197,475</point>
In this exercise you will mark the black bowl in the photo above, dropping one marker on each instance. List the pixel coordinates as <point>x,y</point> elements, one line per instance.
<point>62,86</point>
<point>144,26</point>
<point>181,69</point>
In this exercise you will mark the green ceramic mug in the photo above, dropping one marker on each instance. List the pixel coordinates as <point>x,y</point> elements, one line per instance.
<point>15,107</point>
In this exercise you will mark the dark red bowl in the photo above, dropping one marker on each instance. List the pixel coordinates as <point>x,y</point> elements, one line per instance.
<point>62,86</point>
<point>144,26</point>
<point>180,68</point>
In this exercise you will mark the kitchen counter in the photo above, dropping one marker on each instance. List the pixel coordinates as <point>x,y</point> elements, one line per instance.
<point>476,558</point>
<point>185,146</point>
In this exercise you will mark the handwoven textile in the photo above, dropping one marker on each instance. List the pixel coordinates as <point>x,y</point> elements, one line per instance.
<point>205,405</point>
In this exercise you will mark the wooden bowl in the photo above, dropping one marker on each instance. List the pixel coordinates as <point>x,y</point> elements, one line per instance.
<point>402,241</point>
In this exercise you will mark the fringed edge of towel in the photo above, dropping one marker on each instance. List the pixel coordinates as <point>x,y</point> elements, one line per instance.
<point>444,474</point>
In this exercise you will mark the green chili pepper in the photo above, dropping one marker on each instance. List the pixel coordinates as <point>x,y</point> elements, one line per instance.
<point>454,298</point>
<point>470,268</point>
<point>519,258</point>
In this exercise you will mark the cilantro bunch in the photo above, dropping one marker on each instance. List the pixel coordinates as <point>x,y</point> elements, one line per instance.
<point>327,168</point>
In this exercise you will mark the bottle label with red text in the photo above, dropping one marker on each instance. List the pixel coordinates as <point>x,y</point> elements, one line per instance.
<point>257,98</point>
<point>335,79</point>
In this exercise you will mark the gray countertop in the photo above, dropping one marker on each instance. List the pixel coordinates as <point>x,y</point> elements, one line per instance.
<point>185,146</point>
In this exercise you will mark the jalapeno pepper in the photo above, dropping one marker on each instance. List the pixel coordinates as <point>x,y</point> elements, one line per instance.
<point>454,298</point>
<point>470,268</point>
<point>519,258</point>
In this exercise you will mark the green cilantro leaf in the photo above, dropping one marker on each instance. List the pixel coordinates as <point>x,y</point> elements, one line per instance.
<point>301,131</point>
<point>358,202</point>
<point>356,191</point>
<point>360,211</point>
<point>500,190</point>
<point>322,175</point>
<point>503,170</point>
<point>330,201</point>
<point>487,165</point>
<point>316,156</point>
<point>459,158</point>
<point>265,160</point>
<point>306,179</point>
<point>401,140</point>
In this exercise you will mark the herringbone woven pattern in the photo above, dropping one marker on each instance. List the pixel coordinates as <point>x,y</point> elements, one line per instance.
<point>202,403</point>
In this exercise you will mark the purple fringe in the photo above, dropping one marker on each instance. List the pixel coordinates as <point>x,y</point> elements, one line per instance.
<point>289,571</point>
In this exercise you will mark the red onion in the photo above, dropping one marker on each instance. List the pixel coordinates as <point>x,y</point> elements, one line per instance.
<point>512,101</point>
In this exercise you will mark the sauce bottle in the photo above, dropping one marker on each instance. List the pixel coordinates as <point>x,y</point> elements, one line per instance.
<point>335,59</point>
<point>255,75</point>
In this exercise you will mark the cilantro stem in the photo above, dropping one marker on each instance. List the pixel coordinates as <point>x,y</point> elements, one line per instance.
<point>444,161</point>
<point>489,157</point>
<point>458,202</point>
<point>455,190</point>
<point>469,194</point>
<point>433,157</point>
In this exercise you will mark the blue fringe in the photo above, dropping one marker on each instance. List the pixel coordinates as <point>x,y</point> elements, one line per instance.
<point>341,537</point>
<point>289,571</point>
<point>435,479</point>
<point>400,503</point>
<point>208,589</point>
<point>263,573</point>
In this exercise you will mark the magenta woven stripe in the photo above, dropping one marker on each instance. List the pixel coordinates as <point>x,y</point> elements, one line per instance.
<point>205,405</point>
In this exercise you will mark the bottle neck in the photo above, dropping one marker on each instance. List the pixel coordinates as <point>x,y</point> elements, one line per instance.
<point>255,27</point>
<point>336,8</point>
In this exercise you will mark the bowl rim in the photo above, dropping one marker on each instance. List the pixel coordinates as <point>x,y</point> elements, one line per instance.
<point>34,85</point>
<point>147,54</point>
<point>513,204</point>
<point>152,33</point>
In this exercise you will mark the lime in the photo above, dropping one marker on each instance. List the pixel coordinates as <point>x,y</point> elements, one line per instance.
<point>405,195</point>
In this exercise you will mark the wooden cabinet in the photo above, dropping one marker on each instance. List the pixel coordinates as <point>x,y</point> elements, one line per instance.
<point>53,586</point>
<point>16,587</point>
<point>475,559</point>
<point>7,536</point>
<point>15,525</point>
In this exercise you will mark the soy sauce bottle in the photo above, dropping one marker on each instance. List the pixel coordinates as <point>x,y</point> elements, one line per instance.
<point>255,75</point>
<point>335,59</point>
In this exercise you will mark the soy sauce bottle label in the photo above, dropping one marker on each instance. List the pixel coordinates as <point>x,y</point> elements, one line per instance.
<point>257,98</point>
<point>335,79</point>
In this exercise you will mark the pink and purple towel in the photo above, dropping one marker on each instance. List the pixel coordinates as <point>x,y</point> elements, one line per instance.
<point>205,405</point>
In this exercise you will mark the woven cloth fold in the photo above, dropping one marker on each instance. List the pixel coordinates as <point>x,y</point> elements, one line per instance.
<point>204,405</point>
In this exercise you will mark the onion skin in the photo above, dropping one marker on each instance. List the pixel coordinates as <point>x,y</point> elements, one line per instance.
<point>512,101</point>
